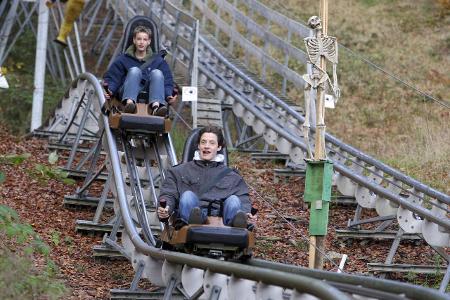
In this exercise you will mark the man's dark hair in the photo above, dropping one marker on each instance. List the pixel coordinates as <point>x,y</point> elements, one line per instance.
<point>212,129</point>
<point>144,29</point>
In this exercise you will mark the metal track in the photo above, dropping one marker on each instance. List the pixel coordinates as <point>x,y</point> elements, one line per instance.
<point>147,260</point>
<point>279,125</point>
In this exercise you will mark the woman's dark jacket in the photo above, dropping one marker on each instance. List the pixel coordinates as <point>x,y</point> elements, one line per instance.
<point>192,175</point>
<point>117,72</point>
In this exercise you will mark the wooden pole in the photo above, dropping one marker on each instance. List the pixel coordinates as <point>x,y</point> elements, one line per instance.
<point>317,242</point>
<point>319,151</point>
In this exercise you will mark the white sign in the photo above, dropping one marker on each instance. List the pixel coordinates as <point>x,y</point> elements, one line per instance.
<point>189,93</point>
<point>3,83</point>
<point>329,101</point>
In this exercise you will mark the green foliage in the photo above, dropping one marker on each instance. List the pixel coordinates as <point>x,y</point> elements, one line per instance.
<point>369,3</point>
<point>117,276</point>
<point>80,268</point>
<point>14,159</point>
<point>2,177</point>
<point>43,173</point>
<point>68,240</point>
<point>178,138</point>
<point>411,276</point>
<point>301,245</point>
<point>19,279</point>
<point>55,237</point>
<point>265,245</point>
<point>16,102</point>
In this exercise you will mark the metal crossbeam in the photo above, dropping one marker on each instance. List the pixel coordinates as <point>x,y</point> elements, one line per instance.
<point>142,295</point>
<point>68,146</point>
<point>56,134</point>
<point>82,174</point>
<point>405,268</point>
<point>86,201</point>
<point>269,156</point>
<point>286,173</point>
<point>370,234</point>
<point>105,251</point>
<point>91,227</point>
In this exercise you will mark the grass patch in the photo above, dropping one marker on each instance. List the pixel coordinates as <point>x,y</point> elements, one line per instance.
<point>44,173</point>
<point>14,159</point>
<point>21,250</point>
<point>377,113</point>
<point>178,139</point>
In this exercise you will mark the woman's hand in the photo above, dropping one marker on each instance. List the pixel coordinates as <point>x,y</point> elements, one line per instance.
<point>171,100</point>
<point>163,213</point>
<point>251,219</point>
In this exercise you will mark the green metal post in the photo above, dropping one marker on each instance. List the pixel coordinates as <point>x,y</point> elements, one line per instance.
<point>319,175</point>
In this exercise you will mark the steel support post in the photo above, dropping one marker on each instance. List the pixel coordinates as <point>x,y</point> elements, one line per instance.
<point>445,280</point>
<point>194,73</point>
<point>73,114</point>
<point>101,203</point>
<point>393,249</point>
<point>80,129</point>
<point>39,70</point>
<point>136,188</point>
<point>356,217</point>
<point>137,276</point>
<point>170,288</point>
<point>116,227</point>
<point>5,30</point>
<point>215,293</point>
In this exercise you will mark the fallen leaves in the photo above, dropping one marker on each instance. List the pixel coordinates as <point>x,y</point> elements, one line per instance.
<point>282,226</point>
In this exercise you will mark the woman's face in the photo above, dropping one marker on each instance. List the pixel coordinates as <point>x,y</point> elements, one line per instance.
<point>208,146</point>
<point>141,41</point>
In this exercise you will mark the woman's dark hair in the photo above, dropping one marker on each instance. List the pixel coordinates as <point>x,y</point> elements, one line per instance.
<point>212,129</point>
<point>143,29</point>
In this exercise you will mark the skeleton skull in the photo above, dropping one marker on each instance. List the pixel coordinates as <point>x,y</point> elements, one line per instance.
<point>314,22</point>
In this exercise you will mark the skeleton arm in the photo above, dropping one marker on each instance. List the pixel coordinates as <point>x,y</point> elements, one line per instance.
<point>330,43</point>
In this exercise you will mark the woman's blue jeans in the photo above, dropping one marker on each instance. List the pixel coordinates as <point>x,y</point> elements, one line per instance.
<point>134,83</point>
<point>189,200</point>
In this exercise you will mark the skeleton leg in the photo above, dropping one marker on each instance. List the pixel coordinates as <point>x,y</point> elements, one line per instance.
<point>306,125</point>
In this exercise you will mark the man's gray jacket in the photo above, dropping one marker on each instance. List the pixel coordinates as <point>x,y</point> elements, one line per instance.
<point>192,175</point>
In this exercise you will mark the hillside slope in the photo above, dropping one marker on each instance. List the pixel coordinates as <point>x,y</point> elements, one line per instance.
<point>377,113</point>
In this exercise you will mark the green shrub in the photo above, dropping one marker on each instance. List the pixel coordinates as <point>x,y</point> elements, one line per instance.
<point>16,102</point>
<point>19,250</point>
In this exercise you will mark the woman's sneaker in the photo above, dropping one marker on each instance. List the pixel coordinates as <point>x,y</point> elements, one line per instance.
<point>130,108</point>
<point>160,111</point>
<point>195,217</point>
<point>240,220</point>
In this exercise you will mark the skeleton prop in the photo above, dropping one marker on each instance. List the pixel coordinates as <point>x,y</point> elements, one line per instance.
<point>318,46</point>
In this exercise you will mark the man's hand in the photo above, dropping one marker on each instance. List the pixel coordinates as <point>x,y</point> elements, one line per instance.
<point>172,99</point>
<point>163,213</point>
<point>251,219</point>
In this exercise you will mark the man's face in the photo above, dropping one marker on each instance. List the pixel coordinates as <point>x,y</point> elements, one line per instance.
<point>208,146</point>
<point>141,41</point>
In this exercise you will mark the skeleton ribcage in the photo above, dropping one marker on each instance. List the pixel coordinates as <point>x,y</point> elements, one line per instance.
<point>324,46</point>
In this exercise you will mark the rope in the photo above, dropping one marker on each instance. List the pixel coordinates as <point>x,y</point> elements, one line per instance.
<point>444,103</point>
<point>181,118</point>
<point>305,238</point>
